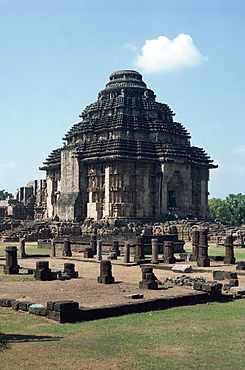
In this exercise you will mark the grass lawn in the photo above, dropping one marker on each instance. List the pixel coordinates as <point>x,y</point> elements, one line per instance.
<point>30,248</point>
<point>219,251</point>
<point>208,336</point>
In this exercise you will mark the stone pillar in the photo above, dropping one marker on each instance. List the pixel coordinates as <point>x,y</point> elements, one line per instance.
<point>203,259</point>
<point>126,253</point>
<point>154,247</point>
<point>88,253</point>
<point>69,269</point>
<point>168,254</point>
<point>195,243</point>
<point>139,250</point>
<point>11,266</point>
<point>105,273</point>
<point>115,247</point>
<point>22,253</point>
<point>149,280</point>
<point>229,250</point>
<point>99,250</point>
<point>93,243</point>
<point>67,248</point>
<point>53,248</point>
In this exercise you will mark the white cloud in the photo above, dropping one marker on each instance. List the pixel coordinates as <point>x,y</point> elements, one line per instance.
<point>7,166</point>
<point>130,46</point>
<point>163,55</point>
<point>239,149</point>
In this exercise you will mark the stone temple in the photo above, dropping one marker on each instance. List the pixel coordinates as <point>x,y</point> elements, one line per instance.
<point>127,159</point>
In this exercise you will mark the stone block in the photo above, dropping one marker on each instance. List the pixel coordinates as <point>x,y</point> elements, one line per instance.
<point>153,285</point>
<point>6,302</point>
<point>240,265</point>
<point>238,291</point>
<point>197,285</point>
<point>51,304</point>
<point>182,268</point>
<point>24,306</point>
<point>211,288</point>
<point>218,275</point>
<point>66,306</point>
<point>233,282</point>
<point>230,275</point>
<point>38,309</point>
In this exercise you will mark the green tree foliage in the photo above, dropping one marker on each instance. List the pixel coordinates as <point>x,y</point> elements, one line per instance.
<point>4,195</point>
<point>230,210</point>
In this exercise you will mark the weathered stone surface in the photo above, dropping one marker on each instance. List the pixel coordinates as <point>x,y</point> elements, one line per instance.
<point>218,275</point>
<point>149,280</point>
<point>240,265</point>
<point>126,158</point>
<point>238,291</point>
<point>105,273</point>
<point>11,266</point>
<point>182,268</point>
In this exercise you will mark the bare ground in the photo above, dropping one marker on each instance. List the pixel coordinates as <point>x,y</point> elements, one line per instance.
<point>88,292</point>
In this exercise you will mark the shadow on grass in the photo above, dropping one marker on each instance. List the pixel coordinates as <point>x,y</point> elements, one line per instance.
<point>19,338</point>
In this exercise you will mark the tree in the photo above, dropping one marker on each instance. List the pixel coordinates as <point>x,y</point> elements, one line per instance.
<point>230,210</point>
<point>4,195</point>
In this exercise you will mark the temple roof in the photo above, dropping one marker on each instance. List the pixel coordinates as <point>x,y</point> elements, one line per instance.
<point>126,122</point>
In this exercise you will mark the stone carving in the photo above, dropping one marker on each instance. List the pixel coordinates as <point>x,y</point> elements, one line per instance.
<point>126,158</point>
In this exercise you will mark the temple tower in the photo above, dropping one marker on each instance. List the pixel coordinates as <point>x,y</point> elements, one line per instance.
<point>127,159</point>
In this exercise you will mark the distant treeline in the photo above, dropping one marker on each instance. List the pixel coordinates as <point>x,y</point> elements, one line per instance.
<point>230,210</point>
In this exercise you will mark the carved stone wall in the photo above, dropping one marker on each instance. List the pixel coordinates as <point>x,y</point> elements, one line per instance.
<point>127,158</point>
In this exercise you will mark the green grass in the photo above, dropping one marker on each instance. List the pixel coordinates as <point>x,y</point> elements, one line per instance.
<point>208,336</point>
<point>219,251</point>
<point>30,248</point>
<point>22,276</point>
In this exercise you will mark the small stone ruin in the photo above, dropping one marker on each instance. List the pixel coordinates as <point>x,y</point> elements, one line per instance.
<point>149,279</point>
<point>105,273</point>
<point>11,266</point>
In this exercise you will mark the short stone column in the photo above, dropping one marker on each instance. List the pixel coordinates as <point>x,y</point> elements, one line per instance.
<point>154,248</point>
<point>42,271</point>
<point>22,253</point>
<point>105,273</point>
<point>229,250</point>
<point>11,267</point>
<point>139,250</point>
<point>53,248</point>
<point>168,254</point>
<point>69,269</point>
<point>115,247</point>
<point>93,243</point>
<point>203,259</point>
<point>88,253</point>
<point>67,248</point>
<point>149,280</point>
<point>99,250</point>
<point>126,253</point>
<point>195,243</point>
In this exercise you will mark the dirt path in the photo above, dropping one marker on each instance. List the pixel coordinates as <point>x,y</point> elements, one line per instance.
<point>87,291</point>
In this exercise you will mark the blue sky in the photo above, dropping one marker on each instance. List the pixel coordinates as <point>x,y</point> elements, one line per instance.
<point>56,55</point>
